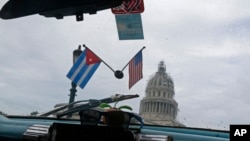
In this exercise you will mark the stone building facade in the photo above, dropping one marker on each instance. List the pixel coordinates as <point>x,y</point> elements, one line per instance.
<point>159,106</point>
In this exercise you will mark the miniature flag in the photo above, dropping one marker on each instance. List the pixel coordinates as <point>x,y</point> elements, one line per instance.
<point>84,68</point>
<point>135,69</point>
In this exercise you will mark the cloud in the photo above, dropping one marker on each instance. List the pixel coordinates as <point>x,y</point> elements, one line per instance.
<point>205,45</point>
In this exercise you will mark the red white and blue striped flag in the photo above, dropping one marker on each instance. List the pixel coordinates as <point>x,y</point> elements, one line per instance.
<point>84,67</point>
<point>135,69</point>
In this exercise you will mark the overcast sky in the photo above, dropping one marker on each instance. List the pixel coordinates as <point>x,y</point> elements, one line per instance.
<point>204,43</point>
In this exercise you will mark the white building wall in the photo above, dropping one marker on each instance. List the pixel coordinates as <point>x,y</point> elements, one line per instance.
<point>159,106</point>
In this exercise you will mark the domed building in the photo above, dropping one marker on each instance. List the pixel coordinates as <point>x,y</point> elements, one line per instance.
<point>159,106</point>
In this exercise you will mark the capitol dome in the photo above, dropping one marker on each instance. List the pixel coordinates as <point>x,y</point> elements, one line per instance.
<point>159,106</point>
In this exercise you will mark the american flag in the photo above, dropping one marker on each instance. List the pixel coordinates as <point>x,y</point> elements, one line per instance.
<point>135,69</point>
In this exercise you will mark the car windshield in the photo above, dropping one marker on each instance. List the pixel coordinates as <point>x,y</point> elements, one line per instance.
<point>194,56</point>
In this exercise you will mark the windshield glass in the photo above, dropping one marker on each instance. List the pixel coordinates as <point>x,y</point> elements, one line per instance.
<point>196,51</point>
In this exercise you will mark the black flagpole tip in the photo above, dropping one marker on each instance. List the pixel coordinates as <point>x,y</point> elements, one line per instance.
<point>119,74</point>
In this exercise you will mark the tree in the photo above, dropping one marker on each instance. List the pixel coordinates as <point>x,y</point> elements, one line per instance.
<point>34,113</point>
<point>2,113</point>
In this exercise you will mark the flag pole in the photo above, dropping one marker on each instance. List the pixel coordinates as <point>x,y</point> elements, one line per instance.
<point>132,58</point>
<point>99,58</point>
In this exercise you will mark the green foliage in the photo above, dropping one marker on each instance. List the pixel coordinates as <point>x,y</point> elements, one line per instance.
<point>34,113</point>
<point>105,105</point>
<point>2,113</point>
<point>126,107</point>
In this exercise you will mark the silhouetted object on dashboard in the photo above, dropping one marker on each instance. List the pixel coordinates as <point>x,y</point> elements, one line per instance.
<point>55,8</point>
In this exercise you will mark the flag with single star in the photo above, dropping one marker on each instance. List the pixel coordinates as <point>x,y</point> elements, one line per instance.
<point>84,67</point>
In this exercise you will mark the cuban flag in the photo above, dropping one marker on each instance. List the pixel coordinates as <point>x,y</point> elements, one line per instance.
<point>84,67</point>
